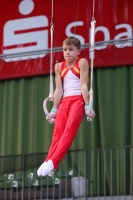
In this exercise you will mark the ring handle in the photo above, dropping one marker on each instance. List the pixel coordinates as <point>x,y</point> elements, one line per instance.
<point>45,105</point>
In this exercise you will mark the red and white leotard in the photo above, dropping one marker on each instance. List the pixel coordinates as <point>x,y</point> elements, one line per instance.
<point>70,79</point>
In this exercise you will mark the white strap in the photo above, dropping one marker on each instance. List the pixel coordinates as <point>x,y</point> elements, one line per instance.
<point>93,23</point>
<point>51,85</point>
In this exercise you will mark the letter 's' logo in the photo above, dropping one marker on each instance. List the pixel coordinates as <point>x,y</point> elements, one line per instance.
<point>26,34</point>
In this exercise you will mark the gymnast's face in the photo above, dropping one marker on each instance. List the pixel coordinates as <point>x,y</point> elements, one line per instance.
<point>70,52</point>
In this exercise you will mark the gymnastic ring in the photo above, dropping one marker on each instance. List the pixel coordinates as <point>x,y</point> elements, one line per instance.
<point>45,105</point>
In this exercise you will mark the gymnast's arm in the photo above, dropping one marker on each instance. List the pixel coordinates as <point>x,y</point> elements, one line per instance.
<point>58,88</point>
<point>84,72</point>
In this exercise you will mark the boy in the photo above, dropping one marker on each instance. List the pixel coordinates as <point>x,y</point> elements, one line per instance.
<point>71,99</point>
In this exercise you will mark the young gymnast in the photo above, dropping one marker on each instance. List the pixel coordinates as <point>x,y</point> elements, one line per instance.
<point>71,101</point>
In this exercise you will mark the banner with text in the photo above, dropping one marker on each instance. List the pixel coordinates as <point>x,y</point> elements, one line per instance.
<point>25,33</point>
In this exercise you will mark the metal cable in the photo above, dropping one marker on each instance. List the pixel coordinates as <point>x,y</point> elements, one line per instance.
<point>59,49</point>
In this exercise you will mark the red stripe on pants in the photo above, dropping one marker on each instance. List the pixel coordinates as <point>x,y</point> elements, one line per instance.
<point>68,120</point>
